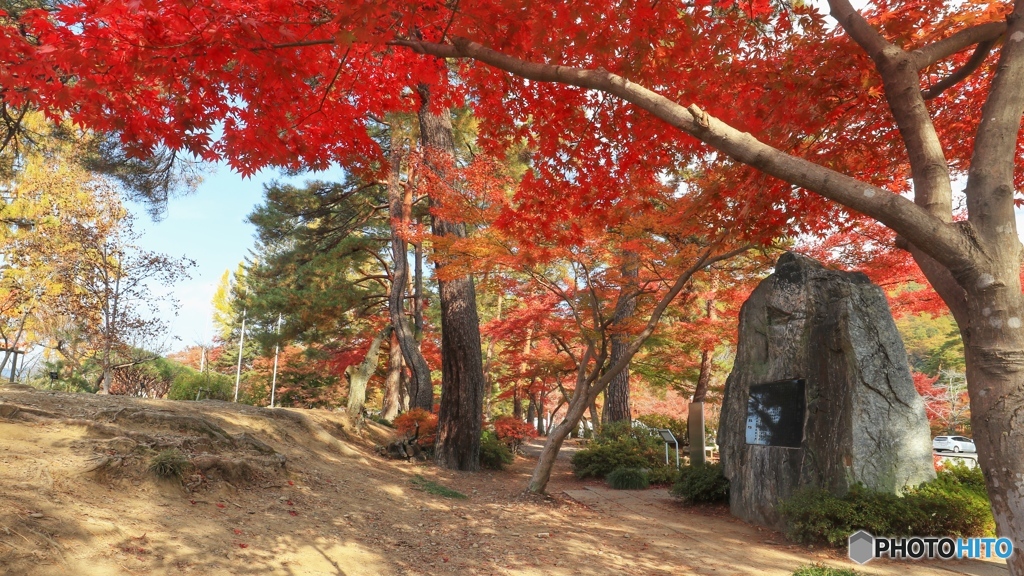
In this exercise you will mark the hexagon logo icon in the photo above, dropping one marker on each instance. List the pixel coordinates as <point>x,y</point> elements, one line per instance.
<point>862,547</point>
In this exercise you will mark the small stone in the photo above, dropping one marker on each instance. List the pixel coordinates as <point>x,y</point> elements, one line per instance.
<point>35,515</point>
<point>476,545</point>
<point>543,535</point>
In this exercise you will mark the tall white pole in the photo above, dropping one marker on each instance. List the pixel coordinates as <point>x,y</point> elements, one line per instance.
<point>241,343</point>
<point>277,348</point>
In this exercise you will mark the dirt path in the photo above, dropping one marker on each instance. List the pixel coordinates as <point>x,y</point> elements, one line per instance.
<point>333,508</point>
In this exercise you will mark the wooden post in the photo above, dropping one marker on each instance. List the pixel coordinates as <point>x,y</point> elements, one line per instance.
<point>695,429</point>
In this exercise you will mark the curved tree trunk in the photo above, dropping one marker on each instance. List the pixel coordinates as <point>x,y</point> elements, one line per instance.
<point>393,383</point>
<point>556,437</point>
<point>460,418</point>
<point>421,387</point>
<point>359,375</point>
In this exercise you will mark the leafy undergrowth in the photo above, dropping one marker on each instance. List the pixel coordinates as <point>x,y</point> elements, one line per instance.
<point>954,504</point>
<point>823,570</point>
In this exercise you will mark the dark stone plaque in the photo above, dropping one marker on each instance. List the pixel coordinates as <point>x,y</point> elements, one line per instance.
<point>775,414</point>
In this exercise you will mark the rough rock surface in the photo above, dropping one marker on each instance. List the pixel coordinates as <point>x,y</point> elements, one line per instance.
<point>864,420</point>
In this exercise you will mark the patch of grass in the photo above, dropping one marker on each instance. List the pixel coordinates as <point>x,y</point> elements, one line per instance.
<point>425,485</point>
<point>382,420</point>
<point>822,570</point>
<point>628,479</point>
<point>170,464</point>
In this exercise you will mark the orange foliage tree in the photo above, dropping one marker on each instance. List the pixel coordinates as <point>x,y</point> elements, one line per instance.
<point>905,97</point>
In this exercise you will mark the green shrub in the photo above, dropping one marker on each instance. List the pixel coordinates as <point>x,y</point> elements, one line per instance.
<point>959,475</point>
<point>818,516</point>
<point>823,570</point>
<point>663,475</point>
<point>187,383</point>
<point>662,421</point>
<point>954,504</point>
<point>701,485</point>
<point>170,464</point>
<point>628,479</point>
<point>494,454</point>
<point>951,505</point>
<point>618,445</point>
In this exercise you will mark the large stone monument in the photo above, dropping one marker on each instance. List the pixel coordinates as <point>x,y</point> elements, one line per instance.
<point>820,394</point>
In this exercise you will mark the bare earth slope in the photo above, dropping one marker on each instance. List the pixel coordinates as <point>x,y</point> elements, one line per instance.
<point>302,492</point>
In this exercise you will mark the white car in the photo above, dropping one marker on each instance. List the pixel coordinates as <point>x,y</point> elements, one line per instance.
<point>953,444</point>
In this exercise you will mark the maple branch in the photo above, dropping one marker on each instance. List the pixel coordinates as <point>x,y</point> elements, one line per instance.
<point>860,30</point>
<point>303,43</point>
<point>941,240</point>
<point>977,59</point>
<point>990,181</point>
<point>451,19</point>
<point>946,47</point>
<point>933,188</point>
<point>557,291</point>
<point>565,348</point>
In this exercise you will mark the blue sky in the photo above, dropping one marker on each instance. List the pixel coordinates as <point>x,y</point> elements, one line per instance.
<point>210,227</point>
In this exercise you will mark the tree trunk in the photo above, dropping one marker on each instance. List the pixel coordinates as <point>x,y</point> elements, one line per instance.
<point>393,383</point>
<point>517,394</point>
<point>995,379</point>
<point>359,375</point>
<point>616,397</point>
<point>489,385</point>
<point>551,417</point>
<point>554,441</point>
<point>541,417</point>
<point>106,378</point>
<point>460,419</point>
<point>704,378</point>
<point>706,356</point>
<point>531,411</point>
<point>420,385</point>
